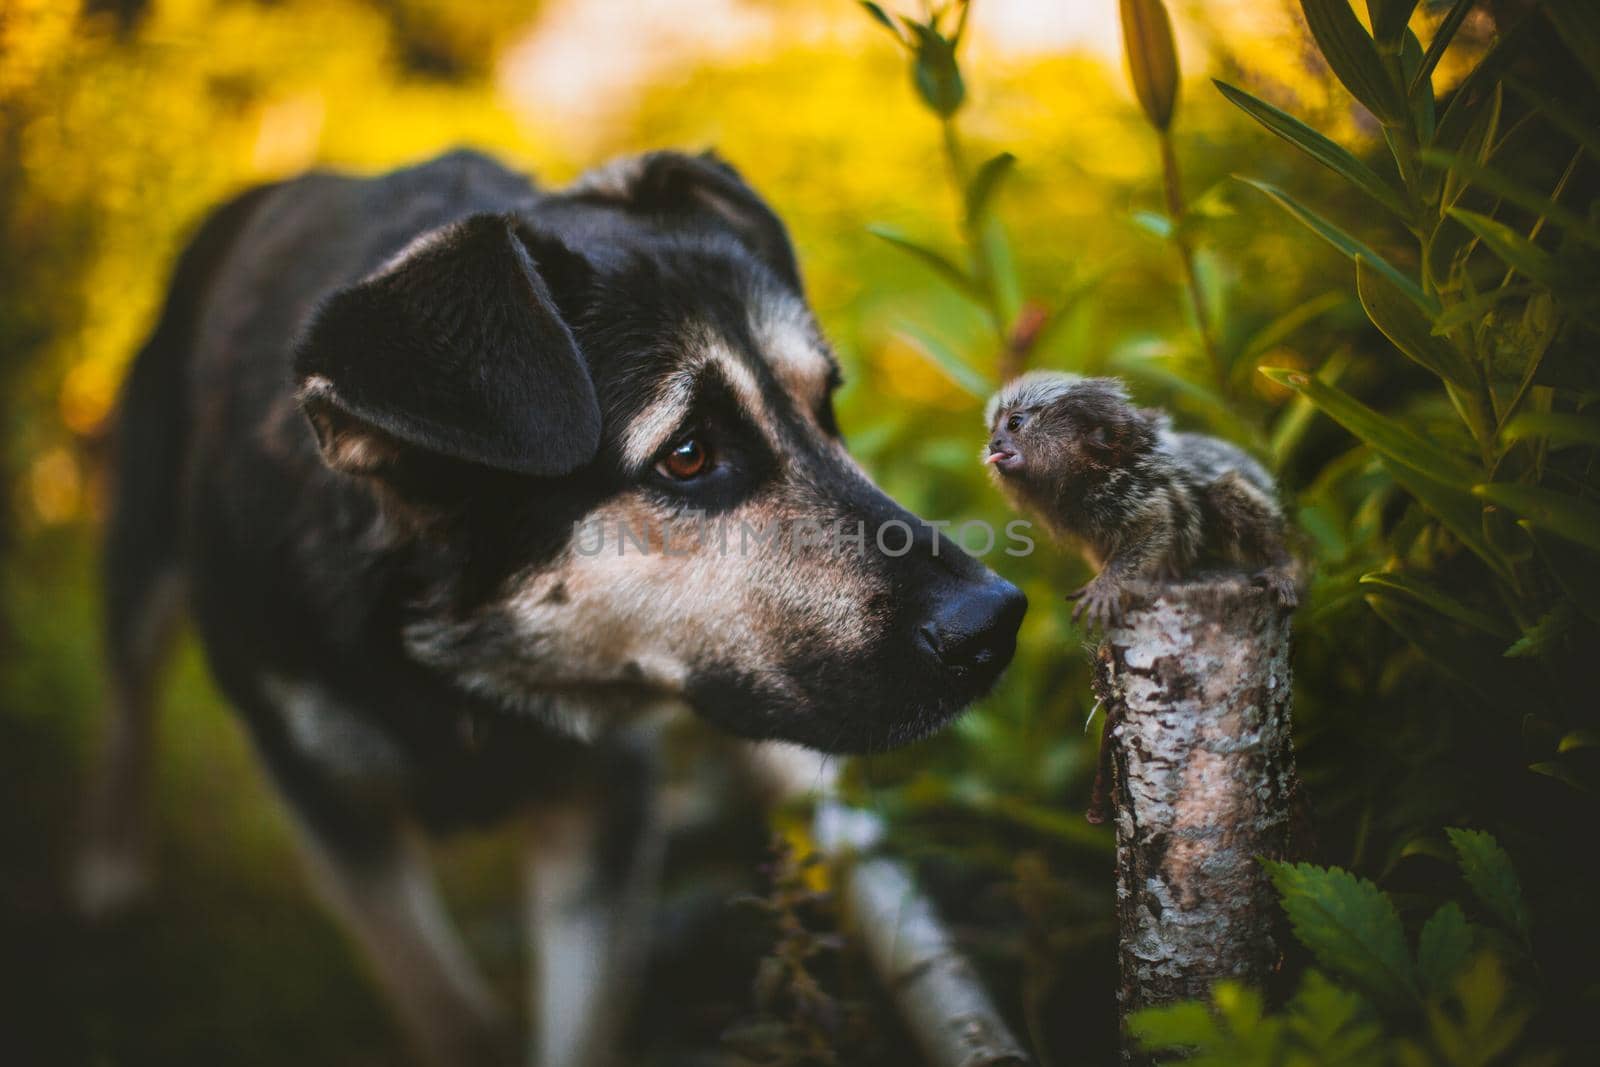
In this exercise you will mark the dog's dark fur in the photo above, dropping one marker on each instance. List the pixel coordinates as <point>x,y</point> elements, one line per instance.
<point>361,436</point>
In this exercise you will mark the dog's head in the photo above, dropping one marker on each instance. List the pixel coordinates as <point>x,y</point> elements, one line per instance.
<point>603,433</point>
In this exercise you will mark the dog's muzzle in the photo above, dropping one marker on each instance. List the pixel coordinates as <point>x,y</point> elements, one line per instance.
<point>972,631</point>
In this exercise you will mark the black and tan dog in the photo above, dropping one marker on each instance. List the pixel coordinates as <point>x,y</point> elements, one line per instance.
<point>362,448</point>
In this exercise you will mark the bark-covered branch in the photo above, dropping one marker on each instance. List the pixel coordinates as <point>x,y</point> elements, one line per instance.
<point>939,994</point>
<point>1196,686</point>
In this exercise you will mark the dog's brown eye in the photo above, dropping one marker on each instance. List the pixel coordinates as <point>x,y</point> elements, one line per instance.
<point>1014,423</point>
<point>687,459</point>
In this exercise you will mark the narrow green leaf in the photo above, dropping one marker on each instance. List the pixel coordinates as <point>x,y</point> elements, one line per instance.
<point>1578,740</point>
<point>1387,436</point>
<point>1458,512</point>
<point>1469,662</point>
<point>1478,88</point>
<point>1443,948</point>
<point>1488,870</point>
<point>1389,17</point>
<point>1353,57</point>
<point>1561,773</point>
<point>984,185</point>
<point>1152,58</point>
<point>1419,95</point>
<point>1538,638</point>
<point>1558,429</point>
<point>1424,592</point>
<point>1472,310</point>
<point>1518,194</point>
<point>1324,151</point>
<point>941,355</point>
<point>1394,313</point>
<point>1344,242</point>
<point>932,258</point>
<point>1350,926</point>
<point>1575,519</point>
<point>1519,252</point>
<point>1441,40</point>
<point>881,16</point>
<point>1287,325</point>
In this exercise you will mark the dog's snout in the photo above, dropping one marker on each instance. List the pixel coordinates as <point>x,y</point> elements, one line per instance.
<point>975,629</point>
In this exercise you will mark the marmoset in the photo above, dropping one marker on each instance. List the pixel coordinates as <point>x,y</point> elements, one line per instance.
<point>1139,499</point>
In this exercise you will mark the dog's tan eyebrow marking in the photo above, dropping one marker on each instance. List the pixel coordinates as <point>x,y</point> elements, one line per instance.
<point>796,354</point>
<point>660,419</point>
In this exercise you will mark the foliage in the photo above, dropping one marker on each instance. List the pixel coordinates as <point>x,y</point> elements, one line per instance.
<point>1454,1002</point>
<point>1464,517</point>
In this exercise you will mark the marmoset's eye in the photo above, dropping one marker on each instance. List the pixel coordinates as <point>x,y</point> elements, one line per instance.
<point>1014,423</point>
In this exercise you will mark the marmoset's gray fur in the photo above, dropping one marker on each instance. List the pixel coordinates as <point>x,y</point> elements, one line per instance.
<point>1140,500</point>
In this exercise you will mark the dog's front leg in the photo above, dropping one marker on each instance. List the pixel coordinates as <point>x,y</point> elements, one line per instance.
<point>592,870</point>
<point>385,896</point>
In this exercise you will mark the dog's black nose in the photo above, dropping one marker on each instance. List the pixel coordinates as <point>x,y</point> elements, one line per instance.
<point>975,628</point>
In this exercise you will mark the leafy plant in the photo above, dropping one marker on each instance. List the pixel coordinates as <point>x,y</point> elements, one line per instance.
<point>1371,999</point>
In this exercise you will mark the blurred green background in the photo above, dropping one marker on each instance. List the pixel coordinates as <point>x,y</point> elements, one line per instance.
<point>122,121</point>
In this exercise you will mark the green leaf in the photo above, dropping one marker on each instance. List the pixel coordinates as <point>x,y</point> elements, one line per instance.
<point>1443,948</point>
<point>1539,637</point>
<point>1389,17</point>
<point>1511,246</point>
<point>1187,1024</point>
<point>1334,1022</point>
<point>1561,773</point>
<point>1152,59</point>
<point>1387,436</point>
<point>1396,315</point>
<point>1430,595</point>
<point>941,355</point>
<point>1286,325</point>
<point>985,183</point>
<point>1578,740</point>
<point>1353,57</point>
<point>1559,429</point>
<point>1344,242</point>
<point>1471,311</point>
<point>1350,926</point>
<point>1441,40</point>
<point>1575,519</point>
<point>1324,151</point>
<point>1488,871</point>
<point>1518,194</point>
<point>881,16</point>
<point>932,258</point>
<point>1419,97</point>
<point>1458,512</point>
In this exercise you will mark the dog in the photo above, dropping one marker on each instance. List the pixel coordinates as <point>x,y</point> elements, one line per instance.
<point>414,451</point>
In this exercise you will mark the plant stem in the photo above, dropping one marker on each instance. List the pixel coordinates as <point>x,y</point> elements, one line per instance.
<point>972,236</point>
<point>1176,209</point>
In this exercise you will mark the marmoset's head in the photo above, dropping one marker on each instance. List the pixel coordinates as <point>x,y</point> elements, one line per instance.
<point>1048,429</point>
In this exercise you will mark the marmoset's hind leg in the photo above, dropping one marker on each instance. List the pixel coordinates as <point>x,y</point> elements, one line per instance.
<point>1249,531</point>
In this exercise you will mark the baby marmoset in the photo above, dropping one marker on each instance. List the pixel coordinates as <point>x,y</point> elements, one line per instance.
<point>1140,500</point>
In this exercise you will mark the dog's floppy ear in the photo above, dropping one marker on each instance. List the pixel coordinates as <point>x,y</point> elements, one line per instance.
<point>702,189</point>
<point>456,349</point>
